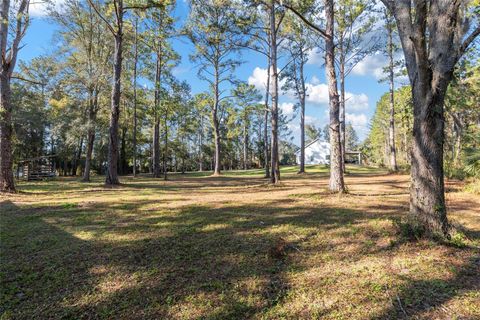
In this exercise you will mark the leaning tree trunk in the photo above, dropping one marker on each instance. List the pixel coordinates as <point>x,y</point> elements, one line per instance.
<point>112,160</point>
<point>336,167</point>
<point>7,182</point>
<point>275,175</point>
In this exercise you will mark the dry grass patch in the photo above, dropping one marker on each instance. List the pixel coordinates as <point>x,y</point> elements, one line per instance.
<point>231,247</point>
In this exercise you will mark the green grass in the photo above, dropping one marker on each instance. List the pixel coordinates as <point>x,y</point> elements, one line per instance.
<point>230,247</point>
<point>288,170</point>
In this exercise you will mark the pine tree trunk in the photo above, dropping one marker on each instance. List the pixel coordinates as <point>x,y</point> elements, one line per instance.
<point>302,136</point>
<point>7,182</point>
<point>302,96</point>
<point>266,144</point>
<point>245,147</point>
<point>112,160</point>
<point>156,148</point>
<point>342,104</point>
<point>275,174</point>
<point>215,120</point>
<point>65,167</point>
<point>123,152</point>
<point>135,99</point>
<point>457,145</point>
<point>165,151</point>
<point>156,129</point>
<point>336,168</point>
<point>200,151</point>
<point>216,134</point>
<point>92,117</point>
<point>76,157</point>
<point>88,156</point>
<point>391,128</point>
<point>265,124</point>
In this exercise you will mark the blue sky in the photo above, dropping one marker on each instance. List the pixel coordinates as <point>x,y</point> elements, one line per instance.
<point>362,86</point>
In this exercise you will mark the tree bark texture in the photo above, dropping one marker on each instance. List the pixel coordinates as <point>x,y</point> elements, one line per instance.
<point>265,124</point>
<point>433,40</point>
<point>112,160</point>
<point>336,183</point>
<point>275,165</point>
<point>391,127</point>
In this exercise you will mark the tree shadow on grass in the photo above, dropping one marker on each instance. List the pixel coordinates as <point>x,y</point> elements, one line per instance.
<point>190,262</point>
<point>73,262</point>
<point>424,298</point>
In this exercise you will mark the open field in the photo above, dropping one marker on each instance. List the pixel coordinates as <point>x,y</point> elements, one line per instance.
<point>231,247</point>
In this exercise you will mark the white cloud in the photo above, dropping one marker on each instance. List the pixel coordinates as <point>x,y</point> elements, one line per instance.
<point>371,65</point>
<point>359,123</point>
<point>315,80</point>
<point>317,94</point>
<point>316,56</point>
<point>39,8</point>
<point>357,120</point>
<point>259,80</point>
<point>287,108</point>
<point>356,102</point>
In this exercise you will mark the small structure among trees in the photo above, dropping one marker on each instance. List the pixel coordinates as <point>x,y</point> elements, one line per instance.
<point>318,152</point>
<point>38,168</point>
<point>353,157</point>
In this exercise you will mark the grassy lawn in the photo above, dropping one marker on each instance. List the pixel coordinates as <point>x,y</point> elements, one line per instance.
<point>231,247</point>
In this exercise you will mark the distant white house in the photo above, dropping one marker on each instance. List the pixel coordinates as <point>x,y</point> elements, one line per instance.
<point>316,152</point>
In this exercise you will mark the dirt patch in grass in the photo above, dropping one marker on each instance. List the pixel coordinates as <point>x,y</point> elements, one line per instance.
<point>231,247</point>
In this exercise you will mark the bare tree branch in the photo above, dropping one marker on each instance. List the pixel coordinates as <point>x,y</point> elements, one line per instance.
<point>109,26</point>
<point>466,43</point>
<point>310,24</point>
<point>18,77</point>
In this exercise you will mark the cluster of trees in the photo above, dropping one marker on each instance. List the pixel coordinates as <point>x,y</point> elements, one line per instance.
<point>154,124</point>
<point>462,123</point>
<point>86,102</point>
